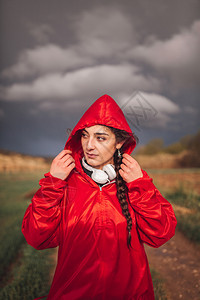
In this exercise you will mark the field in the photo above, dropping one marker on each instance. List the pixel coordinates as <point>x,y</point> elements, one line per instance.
<point>26,273</point>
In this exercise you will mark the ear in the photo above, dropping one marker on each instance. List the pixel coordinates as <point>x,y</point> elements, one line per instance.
<point>119,145</point>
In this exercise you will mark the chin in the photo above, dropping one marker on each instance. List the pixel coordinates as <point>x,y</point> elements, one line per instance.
<point>93,162</point>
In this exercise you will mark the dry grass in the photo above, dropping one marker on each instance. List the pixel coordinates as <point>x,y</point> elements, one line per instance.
<point>187,179</point>
<point>18,162</point>
<point>160,160</point>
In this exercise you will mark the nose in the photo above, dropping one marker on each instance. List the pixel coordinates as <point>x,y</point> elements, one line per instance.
<point>90,144</point>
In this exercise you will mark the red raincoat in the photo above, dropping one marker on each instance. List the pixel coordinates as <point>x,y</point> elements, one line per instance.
<point>87,224</point>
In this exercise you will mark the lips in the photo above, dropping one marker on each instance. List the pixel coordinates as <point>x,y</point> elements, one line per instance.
<point>91,155</point>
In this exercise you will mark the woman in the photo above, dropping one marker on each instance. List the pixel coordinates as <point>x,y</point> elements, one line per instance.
<point>99,207</point>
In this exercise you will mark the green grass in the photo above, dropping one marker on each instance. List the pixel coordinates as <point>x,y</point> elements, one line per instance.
<point>190,226</point>
<point>29,275</point>
<point>187,223</point>
<point>24,272</point>
<point>184,198</point>
<point>158,284</point>
<point>11,241</point>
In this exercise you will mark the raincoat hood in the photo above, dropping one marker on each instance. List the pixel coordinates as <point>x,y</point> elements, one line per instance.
<point>104,111</point>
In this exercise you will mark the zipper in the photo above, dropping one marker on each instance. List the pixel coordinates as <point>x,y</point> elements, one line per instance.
<point>100,187</point>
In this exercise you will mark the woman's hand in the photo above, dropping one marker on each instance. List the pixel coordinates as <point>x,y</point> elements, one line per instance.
<point>62,165</point>
<point>130,169</point>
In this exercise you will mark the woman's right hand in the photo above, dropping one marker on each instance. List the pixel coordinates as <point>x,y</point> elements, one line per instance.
<point>62,164</point>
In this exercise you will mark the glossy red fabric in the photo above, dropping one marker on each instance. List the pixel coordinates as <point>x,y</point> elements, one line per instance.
<point>87,224</point>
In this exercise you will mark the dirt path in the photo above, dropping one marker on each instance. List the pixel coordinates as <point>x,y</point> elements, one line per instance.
<point>178,263</point>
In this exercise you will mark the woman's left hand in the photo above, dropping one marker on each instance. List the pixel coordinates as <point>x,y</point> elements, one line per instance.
<point>130,169</point>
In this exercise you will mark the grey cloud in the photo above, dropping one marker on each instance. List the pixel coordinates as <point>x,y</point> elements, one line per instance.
<point>150,110</point>
<point>177,57</point>
<point>101,33</point>
<point>110,78</point>
<point>166,110</point>
<point>46,59</point>
<point>105,31</point>
<point>56,64</point>
<point>162,103</point>
<point>41,32</point>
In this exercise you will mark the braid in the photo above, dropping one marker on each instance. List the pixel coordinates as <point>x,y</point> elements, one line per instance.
<point>122,191</point>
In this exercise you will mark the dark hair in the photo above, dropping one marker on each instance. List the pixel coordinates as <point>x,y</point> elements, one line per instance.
<point>122,190</point>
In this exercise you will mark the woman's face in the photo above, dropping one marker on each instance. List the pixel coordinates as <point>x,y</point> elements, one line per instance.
<point>99,145</point>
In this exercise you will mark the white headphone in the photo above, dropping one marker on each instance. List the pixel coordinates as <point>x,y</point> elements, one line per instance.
<point>101,176</point>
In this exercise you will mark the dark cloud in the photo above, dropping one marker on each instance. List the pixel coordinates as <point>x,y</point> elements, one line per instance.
<point>58,57</point>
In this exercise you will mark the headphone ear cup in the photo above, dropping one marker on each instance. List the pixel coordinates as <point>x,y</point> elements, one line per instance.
<point>110,171</point>
<point>99,176</point>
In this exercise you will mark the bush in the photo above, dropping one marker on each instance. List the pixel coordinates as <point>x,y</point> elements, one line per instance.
<point>190,160</point>
<point>153,147</point>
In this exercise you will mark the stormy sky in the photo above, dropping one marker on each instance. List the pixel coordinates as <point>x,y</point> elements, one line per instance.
<point>57,57</point>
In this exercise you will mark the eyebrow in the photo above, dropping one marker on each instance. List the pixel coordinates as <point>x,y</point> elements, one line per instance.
<point>97,133</point>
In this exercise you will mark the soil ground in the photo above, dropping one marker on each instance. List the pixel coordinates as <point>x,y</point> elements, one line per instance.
<point>178,263</point>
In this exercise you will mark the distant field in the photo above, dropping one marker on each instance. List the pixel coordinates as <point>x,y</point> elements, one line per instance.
<point>25,271</point>
<point>173,179</point>
<point>160,160</point>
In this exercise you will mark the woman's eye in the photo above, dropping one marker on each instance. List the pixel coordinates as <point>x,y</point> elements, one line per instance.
<point>83,134</point>
<point>101,138</point>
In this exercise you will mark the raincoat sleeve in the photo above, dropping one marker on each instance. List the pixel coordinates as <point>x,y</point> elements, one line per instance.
<point>41,222</point>
<point>155,218</point>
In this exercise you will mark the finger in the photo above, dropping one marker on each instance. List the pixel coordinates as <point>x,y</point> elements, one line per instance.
<point>128,157</point>
<point>63,153</point>
<point>68,161</point>
<point>130,161</point>
<point>125,168</point>
<point>122,173</point>
<point>66,157</point>
<point>127,162</point>
<point>71,166</point>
